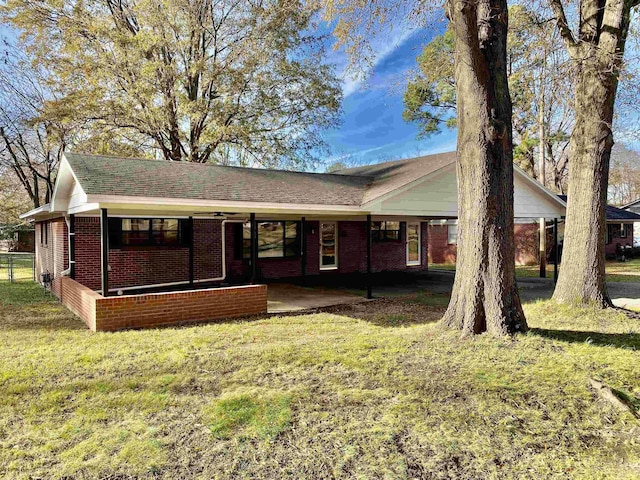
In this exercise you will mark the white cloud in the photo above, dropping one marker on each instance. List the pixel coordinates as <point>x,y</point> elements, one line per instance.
<point>384,47</point>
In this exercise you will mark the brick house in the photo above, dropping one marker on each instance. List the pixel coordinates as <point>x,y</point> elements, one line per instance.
<point>119,227</point>
<point>442,236</point>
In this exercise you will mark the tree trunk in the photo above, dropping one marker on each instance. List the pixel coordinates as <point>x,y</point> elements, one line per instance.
<point>598,54</point>
<point>485,296</point>
<point>543,139</point>
<point>582,276</point>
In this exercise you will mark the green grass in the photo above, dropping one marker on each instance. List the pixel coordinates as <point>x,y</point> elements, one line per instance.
<point>314,396</point>
<point>616,271</point>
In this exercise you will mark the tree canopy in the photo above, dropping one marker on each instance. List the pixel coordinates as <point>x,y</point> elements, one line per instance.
<point>539,83</point>
<point>229,81</point>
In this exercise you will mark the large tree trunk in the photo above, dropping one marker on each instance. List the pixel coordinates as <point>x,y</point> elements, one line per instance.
<point>582,277</point>
<point>598,57</point>
<point>485,296</point>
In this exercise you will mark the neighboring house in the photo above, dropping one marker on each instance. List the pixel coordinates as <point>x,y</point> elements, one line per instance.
<point>634,207</point>
<point>442,236</point>
<point>123,225</point>
<point>443,241</point>
<point>619,228</point>
<point>14,239</point>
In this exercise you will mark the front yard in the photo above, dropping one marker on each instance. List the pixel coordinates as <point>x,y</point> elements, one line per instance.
<point>363,391</point>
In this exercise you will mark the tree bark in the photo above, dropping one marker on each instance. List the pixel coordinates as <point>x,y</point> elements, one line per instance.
<point>598,55</point>
<point>485,296</point>
<point>582,276</point>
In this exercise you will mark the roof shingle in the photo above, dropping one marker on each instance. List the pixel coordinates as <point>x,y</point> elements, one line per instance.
<point>136,177</point>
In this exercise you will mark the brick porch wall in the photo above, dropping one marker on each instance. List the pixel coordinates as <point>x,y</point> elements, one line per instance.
<point>156,309</point>
<point>525,235</point>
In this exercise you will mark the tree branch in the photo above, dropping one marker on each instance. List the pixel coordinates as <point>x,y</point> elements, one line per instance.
<point>563,27</point>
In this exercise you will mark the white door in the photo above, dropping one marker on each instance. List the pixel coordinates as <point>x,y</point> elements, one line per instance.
<point>413,243</point>
<point>328,245</point>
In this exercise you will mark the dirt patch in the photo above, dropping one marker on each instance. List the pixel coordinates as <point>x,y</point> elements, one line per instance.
<point>390,312</point>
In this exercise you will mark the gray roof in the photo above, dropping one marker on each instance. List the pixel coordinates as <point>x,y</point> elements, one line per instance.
<point>135,177</point>
<point>615,213</point>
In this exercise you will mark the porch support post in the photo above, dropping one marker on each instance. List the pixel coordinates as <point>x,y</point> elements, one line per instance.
<point>543,248</point>
<point>303,250</point>
<point>72,246</point>
<point>191,241</point>
<point>369,286</point>
<point>556,253</point>
<point>104,237</point>
<point>254,248</point>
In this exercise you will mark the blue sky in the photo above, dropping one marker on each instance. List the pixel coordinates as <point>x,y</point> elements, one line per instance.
<point>372,127</point>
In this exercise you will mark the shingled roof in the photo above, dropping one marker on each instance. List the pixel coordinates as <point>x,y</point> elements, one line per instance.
<point>388,176</point>
<point>103,175</point>
<point>615,213</point>
<point>135,177</point>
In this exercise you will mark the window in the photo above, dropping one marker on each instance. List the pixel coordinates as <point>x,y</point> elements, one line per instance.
<point>143,232</point>
<point>452,235</point>
<point>275,239</point>
<point>44,233</point>
<point>624,233</point>
<point>385,231</point>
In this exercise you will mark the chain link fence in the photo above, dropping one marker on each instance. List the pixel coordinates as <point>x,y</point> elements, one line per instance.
<point>16,267</point>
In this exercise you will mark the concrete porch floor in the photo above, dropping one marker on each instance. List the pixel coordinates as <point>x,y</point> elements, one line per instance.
<point>285,297</point>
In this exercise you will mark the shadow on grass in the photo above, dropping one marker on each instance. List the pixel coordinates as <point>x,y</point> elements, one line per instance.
<point>630,341</point>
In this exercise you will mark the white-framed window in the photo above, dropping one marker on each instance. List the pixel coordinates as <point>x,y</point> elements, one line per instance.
<point>452,234</point>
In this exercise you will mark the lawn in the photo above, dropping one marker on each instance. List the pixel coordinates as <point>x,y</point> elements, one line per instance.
<point>616,271</point>
<point>363,391</point>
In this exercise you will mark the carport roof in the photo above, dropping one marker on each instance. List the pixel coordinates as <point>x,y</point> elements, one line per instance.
<point>615,213</point>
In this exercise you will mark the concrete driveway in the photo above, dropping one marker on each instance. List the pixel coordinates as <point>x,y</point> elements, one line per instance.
<point>623,294</point>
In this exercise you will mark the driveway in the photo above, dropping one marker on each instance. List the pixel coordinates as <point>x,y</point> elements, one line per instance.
<point>441,281</point>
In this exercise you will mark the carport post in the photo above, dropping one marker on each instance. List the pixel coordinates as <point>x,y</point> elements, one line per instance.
<point>369,287</point>
<point>543,248</point>
<point>72,246</point>
<point>104,237</point>
<point>303,250</point>
<point>556,253</point>
<point>254,248</point>
<point>191,241</point>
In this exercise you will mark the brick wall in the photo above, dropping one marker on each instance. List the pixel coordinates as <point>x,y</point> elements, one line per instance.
<point>52,253</point>
<point>155,309</point>
<point>87,245</point>
<point>527,243</point>
<point>135,266</point>
<point>352,250</point>
<point>80,300</point>
<point>526,239</point>
<point>439,249</point>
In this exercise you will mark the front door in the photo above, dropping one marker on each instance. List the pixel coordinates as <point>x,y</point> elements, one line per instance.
<point>413,243</point>
<point>328,245</point>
